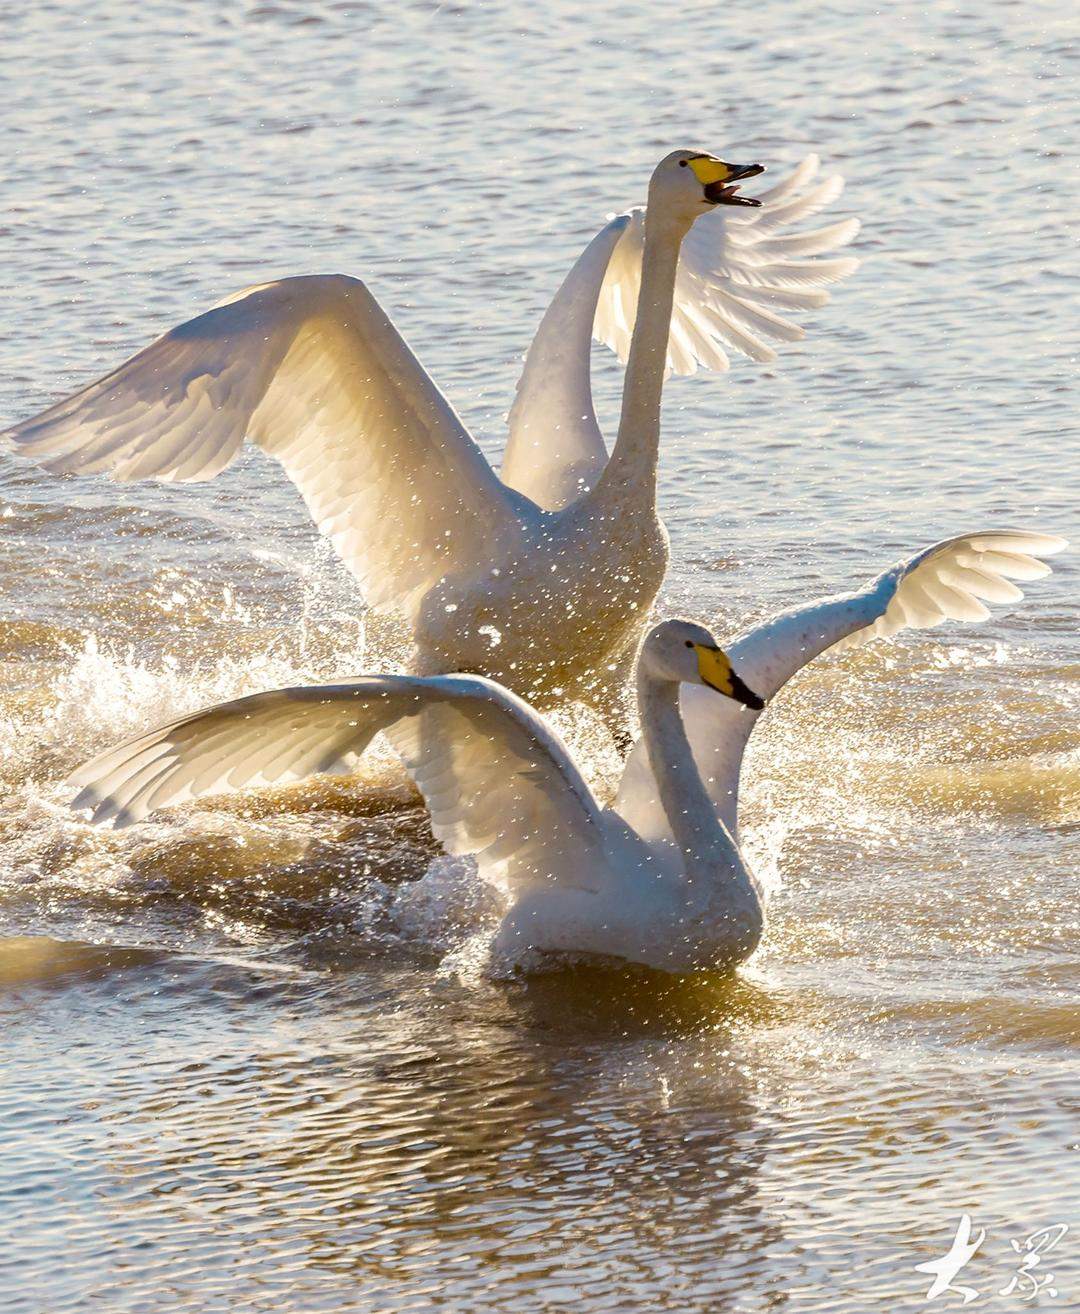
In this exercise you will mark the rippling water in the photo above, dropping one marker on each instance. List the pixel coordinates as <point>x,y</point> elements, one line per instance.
<point>247,1066</point>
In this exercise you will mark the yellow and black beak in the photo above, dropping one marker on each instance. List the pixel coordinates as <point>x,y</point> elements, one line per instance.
<point>720,180</point>
<point>715,670</point>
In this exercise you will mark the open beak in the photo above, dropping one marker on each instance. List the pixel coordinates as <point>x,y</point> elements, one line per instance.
<point>721,180</point>
<point>715,671</point>
<point>723,191</point>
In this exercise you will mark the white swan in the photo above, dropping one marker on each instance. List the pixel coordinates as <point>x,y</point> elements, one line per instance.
<point>546,593</point>
<point>657,878</point>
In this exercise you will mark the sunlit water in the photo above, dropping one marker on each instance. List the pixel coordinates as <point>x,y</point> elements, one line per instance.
<point>246,1064</point>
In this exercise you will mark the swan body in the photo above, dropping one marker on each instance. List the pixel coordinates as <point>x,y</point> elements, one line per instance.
<point>560,614</point>
<point>658,877</point>
<point>543,579</point>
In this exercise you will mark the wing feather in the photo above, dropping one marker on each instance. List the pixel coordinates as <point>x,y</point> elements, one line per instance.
<point>734,272</point>
<point>950,581</point>
<point>732,253</point>
<point>771,217</point>
<point>807,244</point>
<point>498,781</point>
<point>314,373</point>
<point>801,176</point>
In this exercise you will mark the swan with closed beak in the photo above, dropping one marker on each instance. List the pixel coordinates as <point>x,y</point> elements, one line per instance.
<point>658,877</point>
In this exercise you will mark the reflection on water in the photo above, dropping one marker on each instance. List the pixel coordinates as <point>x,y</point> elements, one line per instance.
<point>373,1138</point>
<point>248,1063</point>
<point>430,1155</point>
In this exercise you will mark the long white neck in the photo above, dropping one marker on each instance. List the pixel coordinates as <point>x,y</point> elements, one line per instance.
<point>632,467</point>
<point>709,851</point>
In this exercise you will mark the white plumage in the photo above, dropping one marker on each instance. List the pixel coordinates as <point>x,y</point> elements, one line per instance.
<point>732,273</point>
<point>311,370</point>
<point>657,878</point>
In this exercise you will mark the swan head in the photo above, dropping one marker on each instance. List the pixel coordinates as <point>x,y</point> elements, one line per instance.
<point>684,652</point>
<point>685,184</point>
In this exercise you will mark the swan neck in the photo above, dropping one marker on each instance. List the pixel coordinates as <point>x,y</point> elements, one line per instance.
<point>634,458</point>
<point>707,845</point>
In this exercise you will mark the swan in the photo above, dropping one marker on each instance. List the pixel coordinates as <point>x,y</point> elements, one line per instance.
<point>542,580</point>
<point>658,877</point>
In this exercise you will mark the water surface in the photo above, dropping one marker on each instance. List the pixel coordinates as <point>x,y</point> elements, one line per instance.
<point>246,1063</point>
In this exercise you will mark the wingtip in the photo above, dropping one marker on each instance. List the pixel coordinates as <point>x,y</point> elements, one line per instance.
<point>85,797</point>
<point>92,808</point>
<point>847,231</point>
<point>123,819</point>
<point>1023,540</point>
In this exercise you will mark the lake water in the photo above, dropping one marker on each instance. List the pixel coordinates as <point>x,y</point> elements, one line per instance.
<point>243,1067</point>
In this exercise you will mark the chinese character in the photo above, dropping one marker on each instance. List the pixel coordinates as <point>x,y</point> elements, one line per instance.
<point>947,1267</point>
<point>1032,1249</point>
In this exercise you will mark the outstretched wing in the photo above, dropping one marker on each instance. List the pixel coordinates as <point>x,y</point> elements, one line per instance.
<point>951,580</point>
<point>948,581</point>
<point>313,372</point>
<point>498,781</point>
<point>736,271</point>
